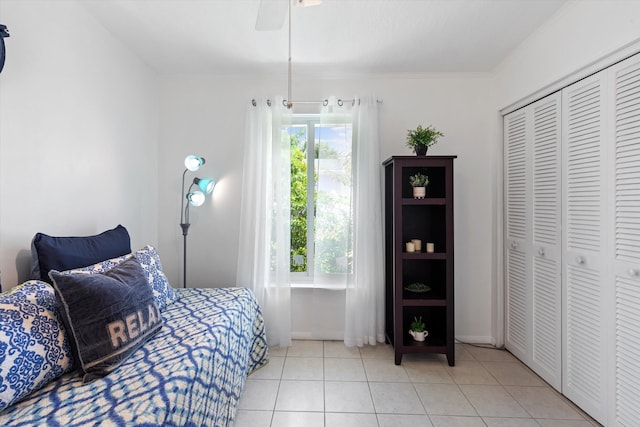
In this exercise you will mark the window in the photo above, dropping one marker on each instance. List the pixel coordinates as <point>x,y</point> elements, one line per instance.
<point>320,198</point>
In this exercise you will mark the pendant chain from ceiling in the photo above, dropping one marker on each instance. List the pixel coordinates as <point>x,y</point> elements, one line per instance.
<point>289,98</point>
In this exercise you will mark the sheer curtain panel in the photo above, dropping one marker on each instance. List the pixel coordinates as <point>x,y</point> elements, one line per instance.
<point>364,305</point>
<point>264,241</point>
<point>349,231</point>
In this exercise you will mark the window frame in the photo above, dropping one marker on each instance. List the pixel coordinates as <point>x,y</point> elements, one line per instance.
<point>310,276</point>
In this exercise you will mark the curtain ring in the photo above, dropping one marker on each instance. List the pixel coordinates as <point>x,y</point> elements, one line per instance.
<point>269,102</point>
<point>254,103</point>
<point>340,102</point>
<point>325,102</point>
<point>285,103</point>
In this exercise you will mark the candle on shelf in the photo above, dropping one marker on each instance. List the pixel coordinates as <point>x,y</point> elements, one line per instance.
<point>430,247</point>
<point>417,243</point>
<point>410,247</point>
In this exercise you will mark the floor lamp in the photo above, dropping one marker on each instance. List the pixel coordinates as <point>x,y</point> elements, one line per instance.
<point>195,198</point>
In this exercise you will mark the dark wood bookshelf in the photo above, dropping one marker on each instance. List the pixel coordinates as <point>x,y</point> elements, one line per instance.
<point>429,220</point>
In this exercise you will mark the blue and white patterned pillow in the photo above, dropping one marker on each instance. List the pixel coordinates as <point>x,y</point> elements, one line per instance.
<point>34,348</point>
<point>150,261</point>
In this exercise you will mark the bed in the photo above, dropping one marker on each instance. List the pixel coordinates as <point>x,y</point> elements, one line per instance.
<point>191,372</point>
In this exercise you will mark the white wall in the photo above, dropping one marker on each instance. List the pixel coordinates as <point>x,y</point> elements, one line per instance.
<point>78,132</point>
<point>579,34</point>
<point>205,115</point>
<point>77,104</point>
<point>580,38</point>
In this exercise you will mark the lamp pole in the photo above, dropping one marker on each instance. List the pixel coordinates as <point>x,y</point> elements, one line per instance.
<point>185,231</point>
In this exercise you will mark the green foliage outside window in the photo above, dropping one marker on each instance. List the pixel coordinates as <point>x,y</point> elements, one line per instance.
<point>298,202</point>
<point>331,210</point>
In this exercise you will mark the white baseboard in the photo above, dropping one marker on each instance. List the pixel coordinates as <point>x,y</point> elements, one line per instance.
<point>339,336</point>
<point>476,339</point>
<point>326,336</point>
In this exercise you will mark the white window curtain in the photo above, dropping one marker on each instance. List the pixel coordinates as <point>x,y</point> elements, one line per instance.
<point>363,250</point>
<point>348,220</point>
<point>264,241</point>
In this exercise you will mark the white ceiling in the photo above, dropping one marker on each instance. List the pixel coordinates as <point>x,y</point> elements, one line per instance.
<point>337,37</point>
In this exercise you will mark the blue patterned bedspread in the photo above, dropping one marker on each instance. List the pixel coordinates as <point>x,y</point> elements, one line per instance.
<point>191,373</point>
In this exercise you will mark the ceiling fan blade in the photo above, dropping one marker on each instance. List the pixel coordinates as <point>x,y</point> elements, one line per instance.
<point>271,14</point>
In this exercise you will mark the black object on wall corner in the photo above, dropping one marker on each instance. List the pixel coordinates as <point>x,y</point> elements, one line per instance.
<point>4,32</point>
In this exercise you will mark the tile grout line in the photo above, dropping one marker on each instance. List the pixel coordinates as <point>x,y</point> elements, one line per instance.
<point>324,387</point>
<point>284,362</point>
<point>381,356</point>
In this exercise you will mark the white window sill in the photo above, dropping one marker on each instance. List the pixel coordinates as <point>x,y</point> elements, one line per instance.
<point>311,285</point>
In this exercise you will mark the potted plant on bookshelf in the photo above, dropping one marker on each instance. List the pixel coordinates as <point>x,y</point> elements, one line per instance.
<point>417,330</point>
<point>419,183</point>
<point>421,139</point>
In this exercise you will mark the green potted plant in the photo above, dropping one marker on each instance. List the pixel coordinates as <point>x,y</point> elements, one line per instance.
<point>417,330</point>
<point>422,138</point>
<point>419,183</point>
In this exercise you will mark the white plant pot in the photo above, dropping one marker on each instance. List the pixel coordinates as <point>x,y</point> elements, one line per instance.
<point>418,336</point>
<point>419,192</point>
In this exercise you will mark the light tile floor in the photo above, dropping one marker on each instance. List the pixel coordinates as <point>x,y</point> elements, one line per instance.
<point>325,384</point>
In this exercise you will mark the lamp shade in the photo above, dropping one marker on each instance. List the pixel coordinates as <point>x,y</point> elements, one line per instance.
<point>196,198</point>
<point>193,163</point>
<point>206,185</point>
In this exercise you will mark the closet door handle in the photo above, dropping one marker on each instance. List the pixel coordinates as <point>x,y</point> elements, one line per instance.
<point>541,251</point>
<point>632,272</point>
<point>514,245</point>
<point>580,260</point>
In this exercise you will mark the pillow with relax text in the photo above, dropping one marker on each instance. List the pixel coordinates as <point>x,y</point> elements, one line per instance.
<point>108,315</point>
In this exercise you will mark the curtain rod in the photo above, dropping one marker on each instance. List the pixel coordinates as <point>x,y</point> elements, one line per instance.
<point>324,102</point>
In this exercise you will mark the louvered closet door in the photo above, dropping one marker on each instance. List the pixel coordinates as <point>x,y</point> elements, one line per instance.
<point>546,355</point>
<point>517,220</point>
<point>533,235</point>
<point>584,254</point>
<point>626,252</point>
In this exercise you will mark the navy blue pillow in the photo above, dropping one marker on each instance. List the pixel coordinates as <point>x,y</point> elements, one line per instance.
<point>108,315</point>
<point>65,253</point>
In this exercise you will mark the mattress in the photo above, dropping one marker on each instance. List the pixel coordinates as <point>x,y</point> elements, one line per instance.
<point>191,373</point>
